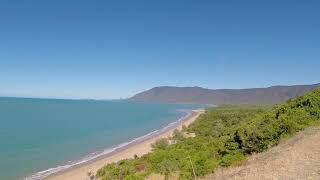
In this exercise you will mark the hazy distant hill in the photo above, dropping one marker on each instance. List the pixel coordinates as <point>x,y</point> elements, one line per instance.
<point>270,95</point>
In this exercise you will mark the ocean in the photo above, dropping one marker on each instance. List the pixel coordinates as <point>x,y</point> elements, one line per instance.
<point>41,136</point>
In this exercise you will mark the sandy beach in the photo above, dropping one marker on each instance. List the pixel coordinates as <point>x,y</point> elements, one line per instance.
<point>141,148</point>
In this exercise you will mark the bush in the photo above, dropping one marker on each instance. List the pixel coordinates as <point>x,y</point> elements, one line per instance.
<point>160,144</point>
<point>234,157</point>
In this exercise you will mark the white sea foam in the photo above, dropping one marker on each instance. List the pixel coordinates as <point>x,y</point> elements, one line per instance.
<point>42,174</point>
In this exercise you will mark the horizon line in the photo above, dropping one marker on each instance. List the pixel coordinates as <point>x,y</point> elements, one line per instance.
<point>122,98</point>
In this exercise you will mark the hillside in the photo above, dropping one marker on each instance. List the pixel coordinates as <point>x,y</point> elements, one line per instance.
<point>296,158</point>
<point>270,95</point>
<point>222,137</point>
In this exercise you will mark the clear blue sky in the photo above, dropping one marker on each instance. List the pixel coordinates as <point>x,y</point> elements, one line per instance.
<point>113,49</point>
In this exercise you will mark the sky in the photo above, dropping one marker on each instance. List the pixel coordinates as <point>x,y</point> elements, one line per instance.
<point>114,49</point>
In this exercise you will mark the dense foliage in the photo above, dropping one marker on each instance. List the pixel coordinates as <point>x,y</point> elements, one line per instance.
<point>224,136</point>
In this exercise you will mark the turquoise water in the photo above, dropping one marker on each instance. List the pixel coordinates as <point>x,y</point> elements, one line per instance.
<point>38,134</point>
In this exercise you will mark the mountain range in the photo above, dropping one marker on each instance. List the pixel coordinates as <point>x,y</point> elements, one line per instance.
<point>199,95</point>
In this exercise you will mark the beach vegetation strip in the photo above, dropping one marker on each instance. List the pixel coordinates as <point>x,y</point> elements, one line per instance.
<point>222,136</point>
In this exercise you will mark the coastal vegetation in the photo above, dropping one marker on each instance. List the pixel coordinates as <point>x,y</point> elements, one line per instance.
<point>224,136</point>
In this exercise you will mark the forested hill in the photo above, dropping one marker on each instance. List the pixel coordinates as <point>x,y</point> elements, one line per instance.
<point>270,95</point>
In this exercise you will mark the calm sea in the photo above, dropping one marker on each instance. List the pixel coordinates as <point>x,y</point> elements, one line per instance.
<point>40,134</point>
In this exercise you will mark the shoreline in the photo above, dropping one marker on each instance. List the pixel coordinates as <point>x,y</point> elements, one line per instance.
<point>138,146</point>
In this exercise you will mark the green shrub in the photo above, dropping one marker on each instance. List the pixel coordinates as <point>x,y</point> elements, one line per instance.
<point>232,157</point>
<point>160,144</point>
